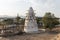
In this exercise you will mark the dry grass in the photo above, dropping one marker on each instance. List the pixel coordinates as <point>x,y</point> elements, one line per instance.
<point>44,36</point>
<point>39,36</point>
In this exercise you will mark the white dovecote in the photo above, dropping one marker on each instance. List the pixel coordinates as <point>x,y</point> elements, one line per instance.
<point>30,22</point>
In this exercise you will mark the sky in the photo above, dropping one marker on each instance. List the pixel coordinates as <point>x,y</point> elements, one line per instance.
<point>21,7</point>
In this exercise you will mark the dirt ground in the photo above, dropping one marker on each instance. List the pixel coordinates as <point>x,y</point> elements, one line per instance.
<point>35,36</point>
<point>39,36</point>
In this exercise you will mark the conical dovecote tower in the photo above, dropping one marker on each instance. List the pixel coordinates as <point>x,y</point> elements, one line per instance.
<point>30,22</point>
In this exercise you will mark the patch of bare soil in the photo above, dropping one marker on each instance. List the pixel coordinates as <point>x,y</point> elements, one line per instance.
<point>42,36</point>
<point>57,37</point>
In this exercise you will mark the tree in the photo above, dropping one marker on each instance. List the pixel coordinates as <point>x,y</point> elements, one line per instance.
<point>22,21</point>
<point>18,23</point>
<point>38,19</point>
<point>49,21</point>
<point>18,20</point>
<point>8,21</point>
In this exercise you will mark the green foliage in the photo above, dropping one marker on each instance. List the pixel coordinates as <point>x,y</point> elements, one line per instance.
<point>22,21</point>
<point>18,19</point>
<point>8,21</point>
<point>49,20</point>
<point>38,19</point>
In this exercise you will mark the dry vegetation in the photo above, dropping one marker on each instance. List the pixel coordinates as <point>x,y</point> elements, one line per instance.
<point>44,36</point>
<point>38,36</point>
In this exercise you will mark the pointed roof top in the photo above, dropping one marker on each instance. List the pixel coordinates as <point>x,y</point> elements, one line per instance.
<point>31,9</point>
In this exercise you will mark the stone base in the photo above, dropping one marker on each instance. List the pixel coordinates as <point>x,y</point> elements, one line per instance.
<point>33,32</point>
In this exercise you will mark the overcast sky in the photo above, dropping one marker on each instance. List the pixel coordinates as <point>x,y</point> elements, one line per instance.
<point>12,7</point>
